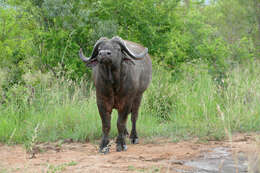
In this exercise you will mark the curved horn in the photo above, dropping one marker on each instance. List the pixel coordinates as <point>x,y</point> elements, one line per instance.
<point>82,56</point>
<point>128,51</point>
<point>94,52</point>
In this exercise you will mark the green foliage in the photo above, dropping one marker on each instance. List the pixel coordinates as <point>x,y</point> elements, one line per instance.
<point>148,22</point>
<point>196,40</point>
<point>236,21</point>
<point>174,33</point>
<point>16,36</point>
<point>44,84</point>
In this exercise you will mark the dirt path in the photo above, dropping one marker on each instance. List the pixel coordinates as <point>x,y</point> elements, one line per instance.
<point>159,156</point>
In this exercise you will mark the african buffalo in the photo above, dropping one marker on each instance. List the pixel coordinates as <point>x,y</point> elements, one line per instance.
<point>122,71</point>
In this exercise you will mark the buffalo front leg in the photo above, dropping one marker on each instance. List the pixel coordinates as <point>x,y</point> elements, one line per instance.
<point>105,115</point>
<point>121,127</point>
<point>134,116</point>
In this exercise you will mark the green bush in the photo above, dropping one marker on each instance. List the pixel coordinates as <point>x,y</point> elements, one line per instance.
<point>196,40</point>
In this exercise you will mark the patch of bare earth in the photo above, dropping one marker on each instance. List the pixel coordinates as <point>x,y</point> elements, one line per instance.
<point>158,156</point>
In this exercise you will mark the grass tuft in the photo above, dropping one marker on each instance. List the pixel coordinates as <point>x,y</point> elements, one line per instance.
<point>195,104</point>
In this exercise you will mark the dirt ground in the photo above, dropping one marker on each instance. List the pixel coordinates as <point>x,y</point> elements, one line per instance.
<point>157,155</point>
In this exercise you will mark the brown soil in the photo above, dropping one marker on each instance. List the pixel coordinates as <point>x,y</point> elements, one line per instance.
<point>158,155</point>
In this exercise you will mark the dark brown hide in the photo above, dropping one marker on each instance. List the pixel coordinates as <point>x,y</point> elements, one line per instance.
<point>122,71</point>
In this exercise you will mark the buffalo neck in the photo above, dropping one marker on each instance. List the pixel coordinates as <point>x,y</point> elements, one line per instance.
<point>110,75</point>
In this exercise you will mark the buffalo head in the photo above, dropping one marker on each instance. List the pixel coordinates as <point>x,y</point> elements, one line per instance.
<point>111,52</point>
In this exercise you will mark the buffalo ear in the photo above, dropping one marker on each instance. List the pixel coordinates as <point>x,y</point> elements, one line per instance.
<point>92,62</point>
<point>127,58</point>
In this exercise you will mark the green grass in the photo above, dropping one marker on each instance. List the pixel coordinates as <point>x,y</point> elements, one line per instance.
<point>192,105</point>
<point>59,168</point>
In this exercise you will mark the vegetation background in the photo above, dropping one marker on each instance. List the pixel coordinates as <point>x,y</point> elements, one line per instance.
<point>206,77</point>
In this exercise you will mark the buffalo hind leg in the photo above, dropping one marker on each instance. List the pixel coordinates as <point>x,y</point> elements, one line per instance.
<point>105,115</point>
<point>134,116</point>
<point>122,131</point>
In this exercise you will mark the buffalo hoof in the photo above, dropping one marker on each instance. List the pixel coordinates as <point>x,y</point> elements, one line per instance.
<point>104,146</point>
<point>134,140</point>
<point>120,147</point>
<point>104,150</point>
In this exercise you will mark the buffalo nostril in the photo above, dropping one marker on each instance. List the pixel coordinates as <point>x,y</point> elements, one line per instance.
<point>106,61</point>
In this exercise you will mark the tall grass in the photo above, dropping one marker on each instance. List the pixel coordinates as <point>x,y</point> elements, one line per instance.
<point>192,105</point>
